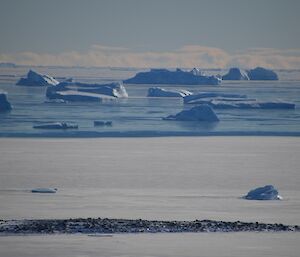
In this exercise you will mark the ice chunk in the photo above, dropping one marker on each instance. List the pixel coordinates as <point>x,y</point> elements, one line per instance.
<point>190,98</point>
<point>76,91</point>
<point>199,113</point>
<point>260,73</point>
<point>36,79</point>
<point>56,125</point>
<point>44,190</point>
<point>102,123</point>
<point>161,92</point>
<point>236,74</point>
<point>180,77</point>
<point>4,103</point>
<point>219,103</point>
<point>267,192</point>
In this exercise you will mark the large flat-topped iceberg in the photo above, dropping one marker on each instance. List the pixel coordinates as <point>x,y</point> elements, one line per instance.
<point>36,79</point>
<point>260,73</point>
<point>236,74</point>
<point>194,97</point>
<point>44,190</point>
<point>161,92</point>
<point>76,91</point>
<point>199,113</point>
<point>179,77</point>
<point>267,192</point>
<point>4,103</point>
<point>56,125</point>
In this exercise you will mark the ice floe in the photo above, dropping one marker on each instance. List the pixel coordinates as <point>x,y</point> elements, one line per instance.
<point>161,92</point>
<point>180,77</point>
<point>236,74</point>
<point>4,103</point>
<point>267,192</point>
<point>36,79</point>
<point>76,91</point>
<point>198,113</point>
<point>56,125</point>
<point>44,190</point>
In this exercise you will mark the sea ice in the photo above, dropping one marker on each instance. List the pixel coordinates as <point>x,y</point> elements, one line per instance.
<point>44,190</point>
<point>36,79</point>
<point>267,192</point>
<point>236,74</point>
<point>4,103</point>
<point>199,113</point>
<point>180,77</point>
<point>260,73</point>
<point>56,125</point>
<point>76,91</point>
<point>161,92</point>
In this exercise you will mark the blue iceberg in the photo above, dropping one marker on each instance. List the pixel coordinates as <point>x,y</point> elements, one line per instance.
<point>36,79</point>
<point>236,74</point>
<point>179,77</point>
<point>260,73</point>
<point>267,192</point>
<point>4,103</point>
<point>199,113</point>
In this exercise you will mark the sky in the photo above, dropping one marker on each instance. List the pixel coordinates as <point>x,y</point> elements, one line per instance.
<point>156,33</point>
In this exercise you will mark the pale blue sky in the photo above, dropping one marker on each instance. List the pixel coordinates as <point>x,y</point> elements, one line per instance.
<point>60,26</point>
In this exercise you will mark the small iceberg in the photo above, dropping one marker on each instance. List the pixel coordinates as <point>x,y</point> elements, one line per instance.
<point>102,123</point>
<point>161,92</point>
<point>179,77</point>
<point>36,79</point>
<point>236,74</point>
<point>260,73</point>
<point>56,125</point>
<point>4,103</point>
<point>76,91</point>
<point>199,113</point>
<point>267,192</point>
<point>194,97</point>
<point>44,190</point>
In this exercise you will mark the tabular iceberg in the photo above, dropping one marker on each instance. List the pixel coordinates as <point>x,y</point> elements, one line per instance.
<point>161,92</point>
<point>4,103</point>
<point>36,79</point>
<point>199,113</point>
<point>267,192</point>
<point>76,91</point>
<point>236,74</point>
<point>194,97</point>
<point>56,125</point>
<point>260,73</point>
<point>44,190</point>
<point>179,77</point>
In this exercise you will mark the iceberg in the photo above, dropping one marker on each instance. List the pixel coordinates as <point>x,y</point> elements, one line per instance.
<point>44,190</point>
<point>102,123</point>
<point>76,91</point>
<point>179,77</point>
<point>56,125</point>
<point>4,103</point>
<point>260,73</point>
<point>236,74</point>
<point>161,92</point>
<point>267,192</point>
<point>36,79</point>
<point>199,113</point>
<point>192,98</point>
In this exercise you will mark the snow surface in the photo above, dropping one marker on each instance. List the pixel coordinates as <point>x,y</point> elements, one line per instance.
<point>199,113</point>
<point>36,79</point>
<point>180,77</point>
<point>236,74</point>
<point>4,103</point>
<point>161,92</point>
<point>268,192</point>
